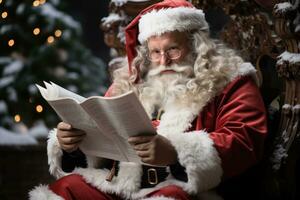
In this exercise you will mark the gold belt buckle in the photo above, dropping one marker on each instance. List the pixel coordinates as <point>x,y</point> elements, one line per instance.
<point>152,171</point>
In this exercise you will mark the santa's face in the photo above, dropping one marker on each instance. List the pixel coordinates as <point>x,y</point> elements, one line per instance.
<point>170,69</point>
<point>167,53</point>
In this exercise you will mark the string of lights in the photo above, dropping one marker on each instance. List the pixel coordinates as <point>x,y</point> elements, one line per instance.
<point>36,31</point>
<point>41,41</point>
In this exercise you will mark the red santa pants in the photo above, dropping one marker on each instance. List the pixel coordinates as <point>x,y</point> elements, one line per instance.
<point>74,187</point>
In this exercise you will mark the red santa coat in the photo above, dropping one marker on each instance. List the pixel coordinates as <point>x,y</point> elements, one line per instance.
<point>220,138</point>
<point>236,122</point>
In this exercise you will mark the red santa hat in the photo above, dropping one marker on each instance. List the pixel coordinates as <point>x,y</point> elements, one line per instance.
<point>159,18</point>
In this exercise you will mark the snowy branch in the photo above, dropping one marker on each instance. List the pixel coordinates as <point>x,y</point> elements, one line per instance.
<point>288,57</point>
<point>52,13</point>
<point>286,6</point>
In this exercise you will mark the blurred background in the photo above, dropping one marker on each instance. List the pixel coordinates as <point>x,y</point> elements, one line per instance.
<point>43,40</point>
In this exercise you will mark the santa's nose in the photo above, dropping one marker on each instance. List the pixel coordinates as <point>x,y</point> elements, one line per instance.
<point>165,60</point>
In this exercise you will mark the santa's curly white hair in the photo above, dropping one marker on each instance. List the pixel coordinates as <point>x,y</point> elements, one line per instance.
<point>213,64</point>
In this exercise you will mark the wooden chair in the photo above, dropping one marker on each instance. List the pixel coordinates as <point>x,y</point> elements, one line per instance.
<point>267,33</point>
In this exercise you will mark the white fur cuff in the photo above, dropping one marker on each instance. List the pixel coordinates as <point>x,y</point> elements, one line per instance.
<point>196,152</point>
<point>54,155</point>
<point>42,192</point>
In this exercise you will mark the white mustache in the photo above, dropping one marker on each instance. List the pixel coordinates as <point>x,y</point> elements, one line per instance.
<point>175,67</point>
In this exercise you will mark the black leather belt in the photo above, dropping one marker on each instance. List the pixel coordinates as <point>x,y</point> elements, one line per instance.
<point>153,176</point>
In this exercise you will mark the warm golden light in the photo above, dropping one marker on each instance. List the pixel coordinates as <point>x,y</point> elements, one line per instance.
<point>17,118</point>
<point>11,43</point>
<point>42,1</point>
<point>0,1</point>
<point>4,15</point>
<point>36,3</point>
<point>39,108</point>
<point>50,39</point>
<point>57,33</point>
<point>36,31</point>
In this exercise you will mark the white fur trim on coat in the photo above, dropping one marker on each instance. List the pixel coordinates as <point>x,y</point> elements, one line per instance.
<point>42,192</point>
<point>55,155</point>
<point>196,151</point>
<point>246,69</point>
<point>157,22</point>
<point>158,198</point>
<point>125,184</point>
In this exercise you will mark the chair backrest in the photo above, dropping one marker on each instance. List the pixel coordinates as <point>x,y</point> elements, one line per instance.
<point>267,33</point>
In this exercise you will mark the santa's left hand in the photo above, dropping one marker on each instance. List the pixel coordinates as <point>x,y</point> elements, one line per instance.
<point>154,150</point>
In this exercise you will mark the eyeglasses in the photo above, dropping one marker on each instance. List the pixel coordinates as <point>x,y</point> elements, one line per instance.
<point>172,53</point>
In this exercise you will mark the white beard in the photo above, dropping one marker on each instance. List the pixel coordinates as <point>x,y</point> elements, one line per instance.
<point>161,89</point>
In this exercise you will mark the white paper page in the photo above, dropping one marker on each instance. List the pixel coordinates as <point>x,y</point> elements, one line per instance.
<point>126,116</point>
<point>54,92</point>
<point>43,92</point>
<point>105,124</point>
<point>62,92</point>
<point>95,143</point>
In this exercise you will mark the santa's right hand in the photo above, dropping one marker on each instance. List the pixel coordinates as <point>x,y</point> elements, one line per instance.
<point>69,138</point>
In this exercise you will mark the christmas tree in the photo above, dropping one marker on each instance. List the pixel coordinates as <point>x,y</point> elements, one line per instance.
<point>40,42</point>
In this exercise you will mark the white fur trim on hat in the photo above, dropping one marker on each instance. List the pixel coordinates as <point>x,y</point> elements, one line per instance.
<point>160,21</point>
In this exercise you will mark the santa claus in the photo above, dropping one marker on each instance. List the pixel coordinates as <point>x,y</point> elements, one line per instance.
<point>205,105</point>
